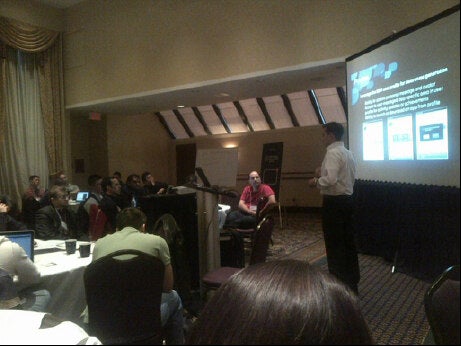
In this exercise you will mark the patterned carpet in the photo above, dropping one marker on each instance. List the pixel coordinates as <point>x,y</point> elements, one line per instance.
<point>301,238</point>
<point>391,303</point>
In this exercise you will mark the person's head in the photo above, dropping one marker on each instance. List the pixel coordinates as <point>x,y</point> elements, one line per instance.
<point>59,196</point>
<point>117,175</point>
<point>131,217</point>
<point>34,181</point>
<point>58,178</point>
<point>147,178</point>
<point>134,181</point>
<point>110,186</point>
<point>254,179</point>
<point>332,132</point>
<point>94,182</point>
<point>280,303</point>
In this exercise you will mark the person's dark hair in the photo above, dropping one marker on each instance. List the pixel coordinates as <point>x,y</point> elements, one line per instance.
<point>130,217</point>
<point>32,177</point>
<point>107,181</point>
<point>131,177</point>
<point>335,128</point>
<point>144,177</point>
<point>280,303</point>
<point>92,179</point>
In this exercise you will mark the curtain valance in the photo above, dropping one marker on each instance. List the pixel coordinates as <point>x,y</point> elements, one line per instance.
<point>26,37</point>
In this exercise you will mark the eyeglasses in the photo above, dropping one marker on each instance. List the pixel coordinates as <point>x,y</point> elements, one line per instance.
<point>63,197</point>
<point>254,178</point>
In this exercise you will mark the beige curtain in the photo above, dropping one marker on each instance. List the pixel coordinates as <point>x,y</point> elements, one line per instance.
<point>47,47</point>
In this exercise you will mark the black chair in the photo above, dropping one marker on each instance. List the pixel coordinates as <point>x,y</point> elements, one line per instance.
<point>123,293</point>
<point>249,233</point>
<point>215,278</point>
<point>441,304</point>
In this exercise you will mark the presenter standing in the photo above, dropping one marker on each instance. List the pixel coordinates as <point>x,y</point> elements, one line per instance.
<point>335,179</point>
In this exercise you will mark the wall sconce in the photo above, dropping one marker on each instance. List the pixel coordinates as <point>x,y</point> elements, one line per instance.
<point>230,145</point>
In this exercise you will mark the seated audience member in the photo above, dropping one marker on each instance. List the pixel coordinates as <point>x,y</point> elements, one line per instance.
<point>83,211</point>
<point>7,222</point>
<point>31,201</point>
<point>20,293</point>
<point>117,175</point>
<point>132,190</point>
<point>59,178</point>
<point>13,209</point>
<point>152,187</point>
<point>55,221</point>
<point>131,234</point>
<point>285,302</point>
<point>245,216</point>
<point>111,203</point>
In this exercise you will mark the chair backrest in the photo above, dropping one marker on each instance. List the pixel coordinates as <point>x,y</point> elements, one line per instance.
<point>123,292</point>
<point>441,304</point>
<point>261,203</point>
<point>97,223</point>
<point>262,237</point>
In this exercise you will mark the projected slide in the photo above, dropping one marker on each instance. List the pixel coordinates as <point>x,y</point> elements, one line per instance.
<point>404,105</point>
<point>400,138</point>
<point>432,142</point>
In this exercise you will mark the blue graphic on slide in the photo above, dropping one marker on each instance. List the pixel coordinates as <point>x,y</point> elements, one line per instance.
<point>366,78</point>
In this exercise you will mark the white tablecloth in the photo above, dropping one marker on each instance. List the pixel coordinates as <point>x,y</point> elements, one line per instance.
<point>20,327</point>
<point>62,276</point>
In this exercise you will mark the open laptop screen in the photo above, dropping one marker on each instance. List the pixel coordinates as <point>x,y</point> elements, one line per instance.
<point>25,239</point>
<point>82,196</point>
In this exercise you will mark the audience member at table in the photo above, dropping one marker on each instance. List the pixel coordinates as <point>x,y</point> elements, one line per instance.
<point>83,211</point>
<point>130,234</point>
<point>13,209</point>
<point>284,302</point>
<point>56,221</point>
<point>152,187</point>
<point>111,203</point>
<point>7,222</point>
<point>20,293</point>
<point>59,178</point>
<point>31,201</point>
<point>245,216</point>
<point>118,176</point>
<point>132,190</point>
<point>94,182</point>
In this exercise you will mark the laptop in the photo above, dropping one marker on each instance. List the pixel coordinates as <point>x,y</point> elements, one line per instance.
<point>202,176</point>
<point>24,238</point>
<point>82,196</point>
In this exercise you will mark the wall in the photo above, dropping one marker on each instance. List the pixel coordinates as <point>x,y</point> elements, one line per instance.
<point>119,47</point>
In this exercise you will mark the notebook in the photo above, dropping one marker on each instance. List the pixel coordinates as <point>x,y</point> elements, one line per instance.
<point>82,196</point>
<point>24,238</point>
<point>202,176</point>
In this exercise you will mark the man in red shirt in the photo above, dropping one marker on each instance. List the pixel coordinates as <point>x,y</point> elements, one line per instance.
<point>245,216</point>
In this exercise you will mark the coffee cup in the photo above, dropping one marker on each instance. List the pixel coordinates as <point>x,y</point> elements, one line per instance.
<point>84,249</point>
<point>71,245</point>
